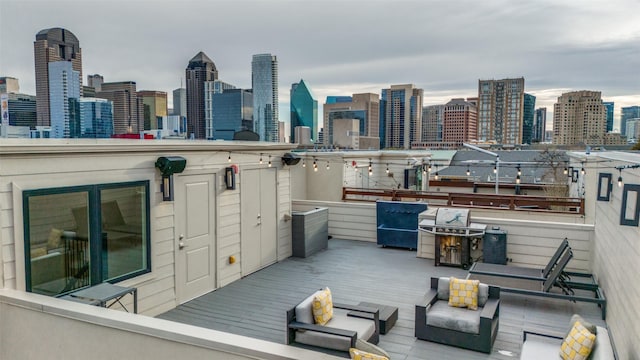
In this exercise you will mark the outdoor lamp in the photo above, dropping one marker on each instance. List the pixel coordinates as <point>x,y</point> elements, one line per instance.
<point>169,165</point>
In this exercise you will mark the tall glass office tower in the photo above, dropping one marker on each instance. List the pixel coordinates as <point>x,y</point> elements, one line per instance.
<point>64,91</point>
<point>400,116</point>
<point>231,111</point>
<point>96,118</point>
<point>609,105</point>
<point>500,110</point>
<point>264,81</point>
<point>628,113</point>
<point>304,110</point>
<point>528,115</point>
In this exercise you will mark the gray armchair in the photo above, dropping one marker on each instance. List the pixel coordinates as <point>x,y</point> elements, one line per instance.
<point>470,329</point>
<point>348,324</point>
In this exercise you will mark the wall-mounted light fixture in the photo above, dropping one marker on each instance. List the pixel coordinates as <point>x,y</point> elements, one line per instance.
<point>169,165</point>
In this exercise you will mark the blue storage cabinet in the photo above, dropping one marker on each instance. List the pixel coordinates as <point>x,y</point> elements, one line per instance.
<point>397,223</point>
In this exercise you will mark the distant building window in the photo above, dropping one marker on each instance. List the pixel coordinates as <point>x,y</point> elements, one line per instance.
<point>85,235</point>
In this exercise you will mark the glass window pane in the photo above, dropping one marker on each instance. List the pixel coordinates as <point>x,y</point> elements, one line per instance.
<point>58,242</point>
<point>124,231</point>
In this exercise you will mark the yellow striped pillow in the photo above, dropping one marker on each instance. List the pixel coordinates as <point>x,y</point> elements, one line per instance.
<point>322,306</point>
<point>363,355</point>
<point>463,293</point>
<point>578,344</point>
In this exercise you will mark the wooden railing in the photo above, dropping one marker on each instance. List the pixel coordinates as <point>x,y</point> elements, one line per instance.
<point>490,201</point>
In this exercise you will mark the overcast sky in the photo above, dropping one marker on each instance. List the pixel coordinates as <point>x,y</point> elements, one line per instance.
<point>345,47</point>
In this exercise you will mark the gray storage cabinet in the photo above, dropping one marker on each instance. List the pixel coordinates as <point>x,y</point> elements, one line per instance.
<point>494,246</point>
<point>310,231</point>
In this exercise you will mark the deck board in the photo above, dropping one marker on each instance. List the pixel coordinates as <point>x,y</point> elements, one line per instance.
<point>357,271</point>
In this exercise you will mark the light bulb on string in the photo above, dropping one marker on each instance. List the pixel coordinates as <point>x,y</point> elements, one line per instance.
<point>468,171</point>
<point>519,170</point>
<point>387,169</point>
<point>436,177</point>
<point>229,158</point>
<point>269,160</point>
<point>260,159</point>
<point>315,165</point>
<point>429,167</point>
<point>583,171</point>
<point>619,177</point>
<point>327,164</point>
<point>495,169</point>
<point>518,179</point>
<point>304,164</point>
<point>565,171</point>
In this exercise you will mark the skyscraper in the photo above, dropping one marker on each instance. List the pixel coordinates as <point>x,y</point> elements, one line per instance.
<point>628,113</point>
<point>199,70</point>
<point>124,97</point>
<point>400,116</point>
<point>528,114</point>
<point>180,102</point>
<point>154,106</point>
<point>64,93</point>
<point>95,81</point>
<point>96,118</point>
<point>539,125</point>
<point>264,81</point>
<point>432,117</point>
<point>304,110</point>
<point>459,121</point>
<point>364,107</point>
<point>579,117</point>
<point>51,45</point>
<point>609,105</point>
<point>9,85</point>
<point>500,110</point>
<point>231,111</point>
<point>211,88</point>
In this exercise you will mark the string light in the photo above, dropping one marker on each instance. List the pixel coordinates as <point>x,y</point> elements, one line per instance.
<point>518,179</point>
<point>429,167</point>
<point>436,177</point>
<point>387,169</point>
<point>315,165</point>
<point>566,171</point>
<point>229,158</point>
<point>304,164</point>
<point>269,160</point>
<point>519,170</point>
<point>327,164</point>
<point>620,178</point>
<point>582,171</point>
<point>424,170</point>
<point>370,168</point>
<point>495,169</point>
<point>355,166</point>
<point>260,159</point>
<point>468,171</point>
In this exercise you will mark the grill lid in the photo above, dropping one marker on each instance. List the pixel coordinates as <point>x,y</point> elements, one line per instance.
<point>452,221</point>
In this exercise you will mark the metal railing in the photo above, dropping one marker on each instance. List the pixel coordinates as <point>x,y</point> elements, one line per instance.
<point>471,200</point>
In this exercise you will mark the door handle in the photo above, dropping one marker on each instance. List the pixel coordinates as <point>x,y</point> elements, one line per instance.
<point>181,244</point>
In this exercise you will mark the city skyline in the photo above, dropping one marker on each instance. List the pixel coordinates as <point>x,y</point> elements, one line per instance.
<point>557,48</point>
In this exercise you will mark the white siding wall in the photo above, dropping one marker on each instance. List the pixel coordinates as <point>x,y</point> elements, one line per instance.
<point>156,290</point>
<point>350,221</point>
<point>616,263</point>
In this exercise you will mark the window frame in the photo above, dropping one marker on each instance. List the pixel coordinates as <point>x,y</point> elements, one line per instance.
<point>96,252</point>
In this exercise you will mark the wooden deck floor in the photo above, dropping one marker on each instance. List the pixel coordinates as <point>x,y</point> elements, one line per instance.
<point>359,271</point>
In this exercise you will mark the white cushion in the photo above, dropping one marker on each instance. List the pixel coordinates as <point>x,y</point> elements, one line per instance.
<point>363,327</point>
<point>537,348</point>
<point>602,349</point>
<point>444,316</point>
<point>304,310</point>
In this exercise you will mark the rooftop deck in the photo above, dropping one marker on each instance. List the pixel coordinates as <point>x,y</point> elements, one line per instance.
<point>356,271</point>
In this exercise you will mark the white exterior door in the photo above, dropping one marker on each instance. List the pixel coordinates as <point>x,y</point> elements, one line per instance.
<point>195,241</point>
<point>259,219</point>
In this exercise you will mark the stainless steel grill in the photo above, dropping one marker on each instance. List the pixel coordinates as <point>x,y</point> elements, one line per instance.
<point>455,236</point>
